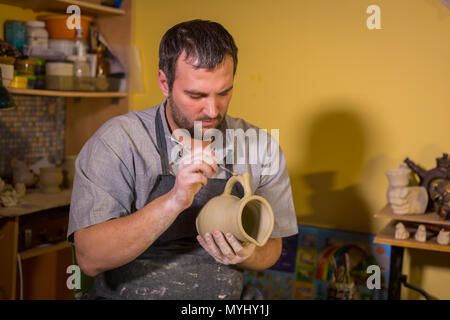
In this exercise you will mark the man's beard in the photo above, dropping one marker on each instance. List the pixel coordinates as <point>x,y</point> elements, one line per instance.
<point>183,123</point>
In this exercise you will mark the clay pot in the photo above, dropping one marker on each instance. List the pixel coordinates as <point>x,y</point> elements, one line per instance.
<point>68,170</point>
<point>249,219</point>
<point>50,179</point>
<point>398,177</point>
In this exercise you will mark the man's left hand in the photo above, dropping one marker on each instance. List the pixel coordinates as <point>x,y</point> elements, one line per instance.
<point>226,251</point>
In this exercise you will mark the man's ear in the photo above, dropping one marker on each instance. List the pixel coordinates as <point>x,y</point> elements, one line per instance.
<point>163,83</point>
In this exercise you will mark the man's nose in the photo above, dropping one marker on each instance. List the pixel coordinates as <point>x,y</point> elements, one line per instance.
<point>211,110</point>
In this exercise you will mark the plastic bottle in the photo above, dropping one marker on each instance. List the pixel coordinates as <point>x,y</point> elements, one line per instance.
<point>81,67</point>
<point>37,35</point>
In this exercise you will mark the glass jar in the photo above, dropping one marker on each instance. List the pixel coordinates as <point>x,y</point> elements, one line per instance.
<point>25,66</point>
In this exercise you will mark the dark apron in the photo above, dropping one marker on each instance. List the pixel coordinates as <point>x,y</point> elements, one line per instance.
<point>175,266</point>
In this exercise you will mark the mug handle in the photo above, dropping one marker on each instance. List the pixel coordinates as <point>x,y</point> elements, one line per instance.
<point>244,180</point>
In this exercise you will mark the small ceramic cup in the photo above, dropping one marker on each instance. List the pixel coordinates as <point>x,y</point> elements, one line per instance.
<point>50,179</point>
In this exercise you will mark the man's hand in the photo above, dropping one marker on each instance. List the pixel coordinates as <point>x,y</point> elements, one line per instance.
<point>193,172</point>
<point>226,251</point>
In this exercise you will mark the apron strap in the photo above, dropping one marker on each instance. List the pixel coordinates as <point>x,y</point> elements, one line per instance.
<point>161,141</point>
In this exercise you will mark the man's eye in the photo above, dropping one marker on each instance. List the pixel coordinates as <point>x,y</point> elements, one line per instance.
<point>195,97</point>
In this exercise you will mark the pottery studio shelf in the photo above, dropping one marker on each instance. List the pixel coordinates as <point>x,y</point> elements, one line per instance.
<point>68,94</point>
<point>386,235</point>
<point>35,201</point>
<point>60,6</point>
<point>429,217</point>
<point>44,249</point>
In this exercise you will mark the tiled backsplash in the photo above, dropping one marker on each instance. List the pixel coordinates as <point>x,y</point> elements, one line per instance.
<point>34,129</point>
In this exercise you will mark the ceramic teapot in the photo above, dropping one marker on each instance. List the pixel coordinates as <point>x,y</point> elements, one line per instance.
<point>437,183</point>
<point>249,219</point>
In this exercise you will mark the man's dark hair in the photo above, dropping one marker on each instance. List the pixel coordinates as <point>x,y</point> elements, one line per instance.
<point>205,41</point>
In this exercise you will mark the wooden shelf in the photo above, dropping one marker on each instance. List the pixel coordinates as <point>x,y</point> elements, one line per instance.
<point>43,249</point>
<point>68,94</point>
<point>35,201</point>
<point>386,236</point>
<point>60,6</point>
<point>429,217</point>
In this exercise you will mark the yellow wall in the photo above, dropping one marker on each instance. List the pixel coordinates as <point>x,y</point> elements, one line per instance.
<point>14,13</point>
<point>350,103</point>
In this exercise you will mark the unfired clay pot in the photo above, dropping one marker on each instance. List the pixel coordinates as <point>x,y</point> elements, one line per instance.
<point>50,179</point>
<point>249,219</point>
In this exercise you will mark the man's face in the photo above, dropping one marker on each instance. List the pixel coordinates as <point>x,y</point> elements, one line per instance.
<point>200,95</point>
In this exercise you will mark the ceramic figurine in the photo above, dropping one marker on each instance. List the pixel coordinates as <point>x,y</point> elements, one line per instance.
<point>249,219</point>
<point>421,234</point>
<point>22,174</point>
<point>405,199</point>
<point>10,196</point>
<point>341,285</point>
<point>440,196</point>
<point>443,237</point>
<point>400,232</point>
<point>437,183</point>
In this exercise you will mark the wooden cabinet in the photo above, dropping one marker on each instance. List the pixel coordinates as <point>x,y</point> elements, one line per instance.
<point>43,267</point>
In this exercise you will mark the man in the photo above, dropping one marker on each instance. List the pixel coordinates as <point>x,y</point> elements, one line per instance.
<point>132,217</point>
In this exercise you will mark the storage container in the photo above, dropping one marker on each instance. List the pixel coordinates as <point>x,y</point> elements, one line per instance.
<point>37,35</point>
<point>14,33</point>
<point>57,26</point>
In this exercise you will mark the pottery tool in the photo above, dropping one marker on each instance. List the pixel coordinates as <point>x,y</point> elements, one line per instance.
<point>190,149</point>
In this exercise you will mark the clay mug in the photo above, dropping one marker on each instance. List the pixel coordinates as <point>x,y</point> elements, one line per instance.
<point>249,219</point>
<point>50,179</point>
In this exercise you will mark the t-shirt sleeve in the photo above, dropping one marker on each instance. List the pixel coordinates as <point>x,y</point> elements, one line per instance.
<point>102,188</point>
<point>275,187</point>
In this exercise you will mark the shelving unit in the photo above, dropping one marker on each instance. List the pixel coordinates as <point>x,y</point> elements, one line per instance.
<point>60,6</point>
<point>36,201</point>
<point>69,94</point>
<point>428,217</point>
<point>46,265</point>
<point>31,253</point>
<point>387,236</point>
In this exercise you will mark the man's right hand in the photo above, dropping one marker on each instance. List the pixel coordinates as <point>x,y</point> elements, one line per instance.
<point>193,172</point>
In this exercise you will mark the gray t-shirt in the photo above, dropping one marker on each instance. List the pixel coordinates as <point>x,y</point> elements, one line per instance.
<point>118,166</point>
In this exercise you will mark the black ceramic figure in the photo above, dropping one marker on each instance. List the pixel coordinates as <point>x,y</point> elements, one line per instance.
<point>437,183</point>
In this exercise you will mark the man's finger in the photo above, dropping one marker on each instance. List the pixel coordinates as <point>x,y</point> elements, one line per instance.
<point>224,246</point>
<point>235,244</point>
<point>213,249</point>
